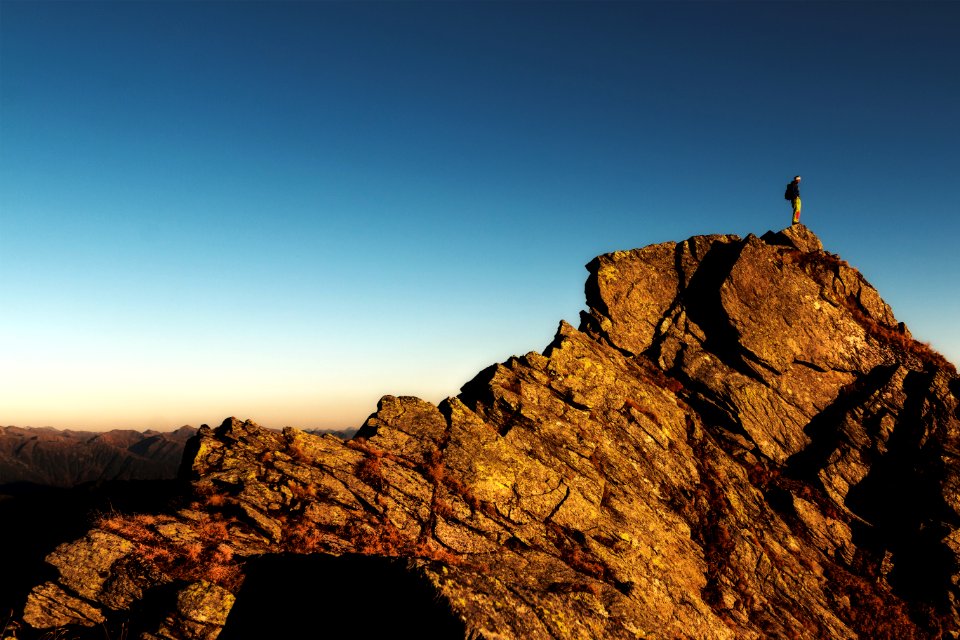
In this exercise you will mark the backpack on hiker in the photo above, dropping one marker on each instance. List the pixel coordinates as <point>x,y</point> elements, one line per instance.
<point>790,193</point>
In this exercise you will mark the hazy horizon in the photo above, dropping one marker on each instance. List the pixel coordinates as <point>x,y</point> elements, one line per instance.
<point>282,211</point>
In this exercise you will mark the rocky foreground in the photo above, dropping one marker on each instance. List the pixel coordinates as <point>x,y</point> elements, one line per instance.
<point>739,441</point>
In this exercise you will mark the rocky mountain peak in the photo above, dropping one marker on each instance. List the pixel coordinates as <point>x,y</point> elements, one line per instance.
<point>738,441</point>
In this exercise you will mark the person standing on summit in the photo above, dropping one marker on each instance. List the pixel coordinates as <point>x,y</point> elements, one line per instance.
<point>793,195</point>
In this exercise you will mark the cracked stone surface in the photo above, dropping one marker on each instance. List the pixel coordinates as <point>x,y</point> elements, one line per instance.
<point>738,441</point>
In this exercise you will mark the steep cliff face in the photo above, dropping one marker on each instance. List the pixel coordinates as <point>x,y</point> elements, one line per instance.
<point>739,441</point>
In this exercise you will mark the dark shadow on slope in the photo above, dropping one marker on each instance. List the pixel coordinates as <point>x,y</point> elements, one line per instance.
<point>37,518</point>
<point>191,448</point>
<point>478,392</point>
<point>714,410</point>
<point>955,390</point>
<point>307,597</point>
<point>777,239</point>
<point>901,498</point>
<point>826,428</point>
<point>703,305</point>
<point>591,289</point>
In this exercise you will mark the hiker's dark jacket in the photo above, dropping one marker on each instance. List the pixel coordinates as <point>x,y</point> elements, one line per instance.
<point>793,189</point>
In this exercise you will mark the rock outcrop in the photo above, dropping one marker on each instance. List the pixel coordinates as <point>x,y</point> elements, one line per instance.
<point>739,441</point>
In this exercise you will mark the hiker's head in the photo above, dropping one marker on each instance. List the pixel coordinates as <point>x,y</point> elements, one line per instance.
<point>796,178</point>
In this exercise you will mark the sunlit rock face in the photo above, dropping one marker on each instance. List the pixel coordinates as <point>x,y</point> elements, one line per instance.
<point>738,441</point>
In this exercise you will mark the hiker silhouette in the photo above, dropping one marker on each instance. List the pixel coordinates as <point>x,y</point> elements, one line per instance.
<point>793,195</point>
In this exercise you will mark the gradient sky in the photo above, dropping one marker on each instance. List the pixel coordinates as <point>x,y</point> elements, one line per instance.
<point>282,211</point>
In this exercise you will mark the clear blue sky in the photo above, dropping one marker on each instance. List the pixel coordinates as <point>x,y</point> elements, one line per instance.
<point>283,210</point>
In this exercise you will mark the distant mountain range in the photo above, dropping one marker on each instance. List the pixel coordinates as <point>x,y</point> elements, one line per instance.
<point>343,434</point>
<point>67,458</point>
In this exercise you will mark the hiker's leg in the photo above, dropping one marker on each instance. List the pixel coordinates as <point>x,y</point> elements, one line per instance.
<point>796,210</point>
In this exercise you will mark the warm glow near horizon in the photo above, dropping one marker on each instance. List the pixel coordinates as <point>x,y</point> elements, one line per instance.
<point>387,197</point>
